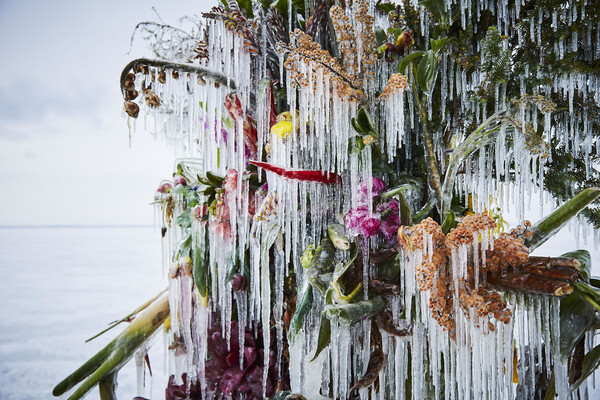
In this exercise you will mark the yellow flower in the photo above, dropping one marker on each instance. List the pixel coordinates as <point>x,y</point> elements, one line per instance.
<point>285,116</point>
<point>368,140</point>
<point>282,129</point>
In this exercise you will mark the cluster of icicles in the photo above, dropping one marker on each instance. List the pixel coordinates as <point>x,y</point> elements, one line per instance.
<point>477,362</point>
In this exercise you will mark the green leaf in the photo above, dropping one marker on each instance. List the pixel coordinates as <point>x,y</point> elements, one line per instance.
<point>357,126</point>
<point>364,120</point>
<point>408,59</point>
<point>436,45</point>
<point>426,70</point>
<point>215,180</point>
<point>584,257</point>
<point>576,316</point>
<point>425,211</point>
<point>591,362</point>
<point>199,269</point>
<point>321,266</point>
<point>380,36</point>
<point>386,7</point>
<point>307,256</point>
<point>449,222</point>
<point>324,336</point>
<point>246,5</point>
<point>114,355</point>
<point>303,306</point>
<point>337,235</point>
<point>436,7</point>
<point>395,32</point>
<point>550,225</point>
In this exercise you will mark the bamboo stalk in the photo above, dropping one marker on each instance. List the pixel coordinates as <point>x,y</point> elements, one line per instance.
<point>112,357</point>
<point>548,226</point>
<point>128,316</point>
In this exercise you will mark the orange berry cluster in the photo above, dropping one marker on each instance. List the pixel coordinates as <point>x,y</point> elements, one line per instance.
<point>397,82</point>
<point>469,226</point>
<point>346,38</point>
<point>484,302</point>
<point>509,251</point>
<point>433,272</point>
<point>306,51</point>
<point>369,58</point>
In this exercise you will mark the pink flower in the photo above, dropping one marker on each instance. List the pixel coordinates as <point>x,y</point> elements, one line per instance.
<point>219,220</point>
<point>200,211</point>
<point>179,180</point>
<point>230,187</point>
<point>164,187</point>
<point>235,109</point>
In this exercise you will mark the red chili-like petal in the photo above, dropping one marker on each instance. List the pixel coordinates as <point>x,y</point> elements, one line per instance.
<point>300,174</point>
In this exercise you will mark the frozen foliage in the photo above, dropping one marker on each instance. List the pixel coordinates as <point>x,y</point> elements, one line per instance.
<point>303,152</point>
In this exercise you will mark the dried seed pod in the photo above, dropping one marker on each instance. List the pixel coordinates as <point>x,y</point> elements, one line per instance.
<point>175,74</point>
<point>162,77</point>
<point>143,69</point>
<point>129,84</point>
<point>130,76</point>
<point>131,94</point>
<point>152,99</point>
<point>132,109</point>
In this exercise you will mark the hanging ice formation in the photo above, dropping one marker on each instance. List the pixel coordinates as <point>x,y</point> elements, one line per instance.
<point>262,264</point>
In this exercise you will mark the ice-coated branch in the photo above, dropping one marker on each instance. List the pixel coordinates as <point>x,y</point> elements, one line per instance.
<point>476,140</point>
<point>181,67</point>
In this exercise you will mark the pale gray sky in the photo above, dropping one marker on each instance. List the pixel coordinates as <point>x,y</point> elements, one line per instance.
<point>64,153</point>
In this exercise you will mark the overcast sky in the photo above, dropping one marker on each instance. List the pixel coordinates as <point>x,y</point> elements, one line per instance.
<point>64,153</point>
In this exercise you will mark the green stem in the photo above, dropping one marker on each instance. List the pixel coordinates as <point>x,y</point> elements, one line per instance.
<point>432,170</point>
<point>548,226</point>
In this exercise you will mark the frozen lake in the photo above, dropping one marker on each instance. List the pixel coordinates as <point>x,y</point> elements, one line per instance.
<point>60,286</point>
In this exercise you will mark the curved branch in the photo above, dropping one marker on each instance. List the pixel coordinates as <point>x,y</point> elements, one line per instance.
<point>191,68</point>
<point>479,138</point>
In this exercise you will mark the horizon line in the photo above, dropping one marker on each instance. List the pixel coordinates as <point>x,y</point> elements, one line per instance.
<point>61,226</point>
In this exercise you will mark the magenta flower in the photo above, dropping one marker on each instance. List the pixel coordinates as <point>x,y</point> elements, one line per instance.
<point>359,222</point>
<point>377,188</point>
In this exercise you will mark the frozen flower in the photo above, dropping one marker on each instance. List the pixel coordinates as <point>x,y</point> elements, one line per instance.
<point>164,187</point>
<point>378,186</point>
<point>230,187</point>
<point>389,226</point>
<point>224,377</point>
<point>234,107</point>
<point>282,129</point>
<point>359,222</point>
<point>219,219</point>
<point>199,212</point>
<point>238,283</point>
<point>179,180</point>
<point>230,182</point>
